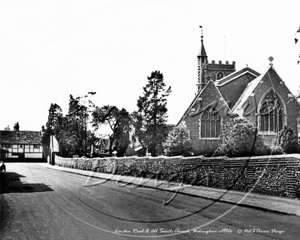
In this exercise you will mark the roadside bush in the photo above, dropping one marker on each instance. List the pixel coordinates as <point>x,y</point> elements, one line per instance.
<point>178,142</point>
<point>239,139</point>
<point>276,150</point>
<point>286,140</point>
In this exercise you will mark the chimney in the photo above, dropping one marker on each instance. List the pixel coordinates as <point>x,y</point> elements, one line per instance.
<point>17,127</point>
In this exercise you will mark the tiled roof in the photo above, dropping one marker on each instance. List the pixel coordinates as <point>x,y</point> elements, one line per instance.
<point>249,89</point>
<point>20,137</point>
<point>233,85</point>
<point>235,75</point>
<point>197,96</point>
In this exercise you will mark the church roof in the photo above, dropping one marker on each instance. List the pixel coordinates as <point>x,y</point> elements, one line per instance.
<point>226,86</point>
<point>233,85</point>
<point>235,75</point>
<point>249,89</point>
<point>210,83</point>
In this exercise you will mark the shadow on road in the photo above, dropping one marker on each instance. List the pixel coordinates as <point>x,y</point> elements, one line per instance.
<point>10,182</point>
<point>5,213</point>
<point>23,160</point>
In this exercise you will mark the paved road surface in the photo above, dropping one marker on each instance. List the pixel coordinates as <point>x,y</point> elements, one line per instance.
<point>41,203</point>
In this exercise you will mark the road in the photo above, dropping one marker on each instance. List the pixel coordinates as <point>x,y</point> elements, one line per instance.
<point>42,203</point>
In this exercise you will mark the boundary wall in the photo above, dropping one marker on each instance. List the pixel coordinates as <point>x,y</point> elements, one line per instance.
<point>272,175</point>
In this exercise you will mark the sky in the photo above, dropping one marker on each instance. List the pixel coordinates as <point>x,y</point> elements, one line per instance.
<point>51,49</point>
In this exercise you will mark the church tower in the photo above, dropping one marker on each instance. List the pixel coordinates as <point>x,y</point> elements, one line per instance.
<point>210,70</point>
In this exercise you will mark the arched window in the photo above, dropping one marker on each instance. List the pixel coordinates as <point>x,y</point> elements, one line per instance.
<point>271,113</point>
<point>220,75</point>
<point>210,125</point>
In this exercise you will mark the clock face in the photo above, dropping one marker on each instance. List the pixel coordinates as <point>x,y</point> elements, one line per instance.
<point>220,75</point>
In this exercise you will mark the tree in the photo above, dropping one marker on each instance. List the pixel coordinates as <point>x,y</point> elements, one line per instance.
<point>76,135</point>
<point>119,122</point>
<point>123,132</point>
<point>53,126</point>
<point>54,118</point>
<point>70,130</point>
<point>151,116</point>
<point>239,138</point>
<point>178,142</point>
<point>287,141</point>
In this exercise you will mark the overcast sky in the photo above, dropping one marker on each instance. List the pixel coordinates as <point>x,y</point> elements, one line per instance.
<point>50,49</point>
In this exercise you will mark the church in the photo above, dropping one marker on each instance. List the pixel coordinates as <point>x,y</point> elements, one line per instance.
<point>224,93</point>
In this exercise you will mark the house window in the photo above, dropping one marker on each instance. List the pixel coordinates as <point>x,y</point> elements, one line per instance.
<point>36,146</point>
<point>5,145</point>
<point>210,125</point>
<point>271,114</point>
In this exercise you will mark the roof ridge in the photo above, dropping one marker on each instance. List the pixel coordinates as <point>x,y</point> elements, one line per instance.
<point>246,93</point>
<point>236,74</point>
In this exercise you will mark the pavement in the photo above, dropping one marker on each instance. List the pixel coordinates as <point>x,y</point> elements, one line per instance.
<point>283,205</point>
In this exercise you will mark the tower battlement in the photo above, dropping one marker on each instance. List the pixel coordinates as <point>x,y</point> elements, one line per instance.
<point>220,65</point>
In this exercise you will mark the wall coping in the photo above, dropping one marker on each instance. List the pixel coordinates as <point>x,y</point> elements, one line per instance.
<point>272,159</point>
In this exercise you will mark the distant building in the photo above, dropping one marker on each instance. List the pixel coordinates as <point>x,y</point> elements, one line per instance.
<point>136,148</point>
<point>20,144</point>
<point>223,93</point>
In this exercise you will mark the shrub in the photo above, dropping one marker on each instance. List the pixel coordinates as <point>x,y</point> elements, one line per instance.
<point>239,138</point>
<point>287,141</point>
<point>178,142</point>
<point>276,150</point>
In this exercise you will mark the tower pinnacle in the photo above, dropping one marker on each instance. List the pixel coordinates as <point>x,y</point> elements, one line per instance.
<point>202,52</point>
<point>201,33</point>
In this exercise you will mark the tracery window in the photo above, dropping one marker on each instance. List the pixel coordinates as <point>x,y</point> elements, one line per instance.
<point>210,124</point>
<point>271,113</point>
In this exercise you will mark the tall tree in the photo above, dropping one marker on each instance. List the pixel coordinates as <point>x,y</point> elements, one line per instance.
<point>151,116</point>
<point>76,124</point>
<point>123,132</point>
<point>119,122</point>
<point>70,130</point>
<point>53,126</point>
<point>77,120</point>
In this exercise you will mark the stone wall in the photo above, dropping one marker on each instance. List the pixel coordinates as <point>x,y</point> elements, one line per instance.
<point>273,175</point>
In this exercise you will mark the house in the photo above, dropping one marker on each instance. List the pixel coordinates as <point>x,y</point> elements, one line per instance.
<point>99,148</point>
<point>16,144</point>
<point>135,148</point>
<point>223,93</point>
